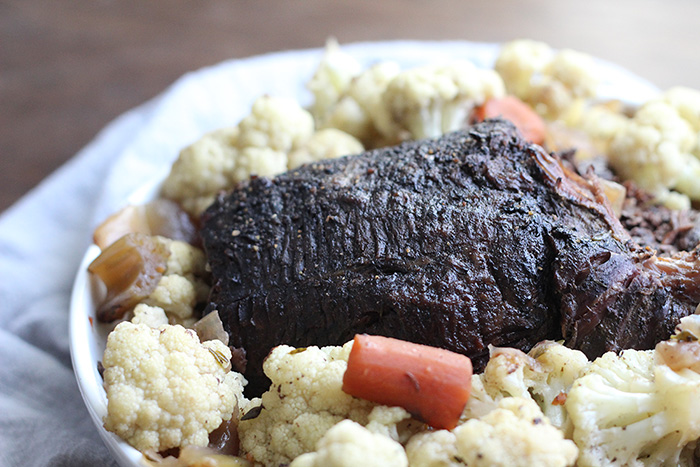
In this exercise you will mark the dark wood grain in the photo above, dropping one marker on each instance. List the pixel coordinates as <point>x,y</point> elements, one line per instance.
<point>68,67</point>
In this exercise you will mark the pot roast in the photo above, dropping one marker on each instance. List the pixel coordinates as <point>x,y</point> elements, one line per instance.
<point>477,238</point>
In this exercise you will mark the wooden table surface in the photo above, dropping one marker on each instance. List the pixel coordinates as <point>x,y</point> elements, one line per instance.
<point>68,67</point>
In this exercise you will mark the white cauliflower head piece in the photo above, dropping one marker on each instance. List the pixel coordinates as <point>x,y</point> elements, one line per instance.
<point>201,169</point>
<point>164,388</point>
<point>435,99</point>
<point>176,295</point>
<point>384,105</point>
<point>304,401</point>
<point>359,110</point>
<point>276,123</point>
<point>394,422</point>
<point>258,145</point>
<point>554,83</point>
<point>602,122</point>
<point>656,148</point>
<point>182,285</point>
<point>332,78</point>
<point>687,102</point>
<point>519,61</point>
<point>349,444</point>
<point>327,143</point>
<point>277,135</point>
<point>152,316</point>
<point>544,375</point>
<point>629,411</point>
<point>515,433</point>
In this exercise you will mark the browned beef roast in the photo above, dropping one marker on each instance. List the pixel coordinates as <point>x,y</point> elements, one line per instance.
<point>650,224</point>
<point>666,230</point>
<point>472,239</point>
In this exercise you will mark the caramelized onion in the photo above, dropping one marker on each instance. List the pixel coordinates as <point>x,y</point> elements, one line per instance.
<point>130,268</point>
<point>224,440</point>
<point>160,217</point>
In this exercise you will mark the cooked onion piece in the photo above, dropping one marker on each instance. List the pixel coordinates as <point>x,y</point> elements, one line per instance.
<point>130,268</point>
<point>159,217</point>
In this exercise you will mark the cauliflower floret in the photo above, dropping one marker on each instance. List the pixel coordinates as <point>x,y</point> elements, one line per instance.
<point>555,84</point>
<point>519,61</point>
<point>260,161</point>
<point>349,444</point>
<point>383,105</point>
<point>655,150</point>
<point>327,143</point>
<point>276,123</point>
<point>545,375</point>
<point>576,71</point>
<point>332,78</point>
<point>257,146</point>
<point>480,401</point>
<point>181,286</point>
<point>151,316</point>
<point>185,260</point>
<point>516,433</point>
<point>687,102</point>
<point>359,111</point>
<point>304,401</point>
<point>174,294</point>
<point>201,170</point>
<point>166,389</point>
<point>601,123</point>
<point>394,422</point>
<point>630,411</point>
<point>432,100</point>
<point>433,449</point>
<point>278,134</point>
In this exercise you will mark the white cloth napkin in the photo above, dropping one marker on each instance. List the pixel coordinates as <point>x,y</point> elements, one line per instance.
<point>43,420</point>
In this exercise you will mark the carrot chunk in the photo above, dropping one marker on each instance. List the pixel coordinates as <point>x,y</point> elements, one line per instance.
<point>432,384</point>
<point>518,112</point>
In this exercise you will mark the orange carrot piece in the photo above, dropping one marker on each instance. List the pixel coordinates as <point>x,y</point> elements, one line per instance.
<point>432,384</point>
<point>522,115</point>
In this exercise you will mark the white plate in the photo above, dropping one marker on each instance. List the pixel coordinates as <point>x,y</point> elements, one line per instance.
<point>201,101</point>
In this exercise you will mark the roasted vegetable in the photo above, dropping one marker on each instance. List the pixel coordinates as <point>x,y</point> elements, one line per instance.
<point>159,217</point>
<point>130,268</point>
<point>432,384</point>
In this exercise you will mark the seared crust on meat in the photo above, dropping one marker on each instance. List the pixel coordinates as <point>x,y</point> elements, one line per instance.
<point>477,238</point>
